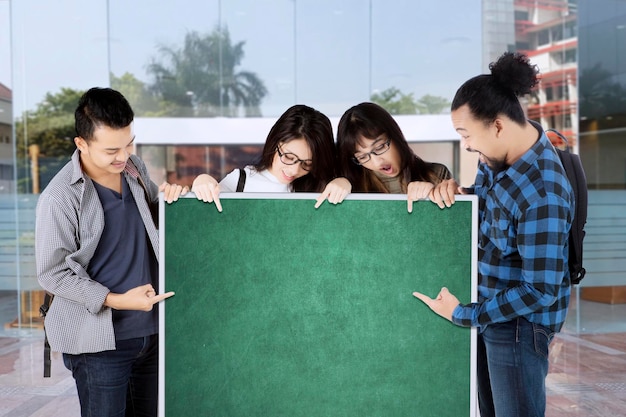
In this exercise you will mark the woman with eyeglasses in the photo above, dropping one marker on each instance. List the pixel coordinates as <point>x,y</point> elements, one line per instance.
<point>376,158</point>
<point>298,155</point>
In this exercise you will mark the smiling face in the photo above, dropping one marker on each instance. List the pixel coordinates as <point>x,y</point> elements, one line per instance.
<point>298,149</point>
<point>104,156</point>
<point>476,136</point>
<point>387,162</point>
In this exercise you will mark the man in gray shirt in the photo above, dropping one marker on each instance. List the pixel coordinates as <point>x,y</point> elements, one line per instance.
<point>96,251</point>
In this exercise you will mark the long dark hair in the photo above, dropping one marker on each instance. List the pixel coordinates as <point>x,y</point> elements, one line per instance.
<point>490,95</point>
<point>304,122</point>
<point>369,120</point>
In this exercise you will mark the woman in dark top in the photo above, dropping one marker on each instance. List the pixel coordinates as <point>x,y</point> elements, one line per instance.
<point>376,158</point>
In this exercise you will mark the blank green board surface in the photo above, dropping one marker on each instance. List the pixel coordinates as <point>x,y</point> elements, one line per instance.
<point>285,310</point>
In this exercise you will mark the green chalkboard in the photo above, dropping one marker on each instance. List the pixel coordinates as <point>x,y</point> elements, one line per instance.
<point>285,310</point>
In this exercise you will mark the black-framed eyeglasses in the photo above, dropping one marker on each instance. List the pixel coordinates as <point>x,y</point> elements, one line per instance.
<point>363,158</point>
<point>289,158</point>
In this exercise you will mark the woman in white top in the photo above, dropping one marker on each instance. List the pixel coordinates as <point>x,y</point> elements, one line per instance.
<point>298,155</point>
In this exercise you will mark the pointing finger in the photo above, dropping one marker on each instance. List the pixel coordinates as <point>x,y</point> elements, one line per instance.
<point>320,200</point>
<point>218,203</point>
<point>161,297</point>
<point>425,299</point>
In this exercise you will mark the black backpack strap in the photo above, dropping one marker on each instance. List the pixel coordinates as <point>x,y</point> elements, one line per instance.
<point>43,310</point>
<point>242,180</point>
<point>47,363</point>
<point>576,175</point>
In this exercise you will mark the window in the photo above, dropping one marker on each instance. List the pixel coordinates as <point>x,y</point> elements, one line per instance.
<point>521,15</point>
<point>569,30</point>
<point>6,172</point>
<point>567,122</point>
<point>522,46</point>
<point>562,92</point>
<point>557,33</point>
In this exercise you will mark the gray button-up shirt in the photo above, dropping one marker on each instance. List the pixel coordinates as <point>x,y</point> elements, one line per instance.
<point>69,223</point>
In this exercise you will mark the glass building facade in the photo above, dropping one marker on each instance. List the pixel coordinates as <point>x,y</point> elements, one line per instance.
<point>602,81</point>
<point>207,79</point>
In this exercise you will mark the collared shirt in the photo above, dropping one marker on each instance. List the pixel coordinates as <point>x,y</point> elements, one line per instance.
<point>69,223</point>
<point>525,214</point>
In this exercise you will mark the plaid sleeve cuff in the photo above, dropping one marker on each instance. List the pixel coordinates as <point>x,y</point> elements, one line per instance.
<point>462,315</point>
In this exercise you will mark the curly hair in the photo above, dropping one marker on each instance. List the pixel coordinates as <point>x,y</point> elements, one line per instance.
<point>488,95</point>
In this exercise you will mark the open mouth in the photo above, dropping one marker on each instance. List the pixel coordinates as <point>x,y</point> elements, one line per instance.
<point>386,169</point>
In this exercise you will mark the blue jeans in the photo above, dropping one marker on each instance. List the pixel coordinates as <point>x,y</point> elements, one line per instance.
<point>512,366</point>
<point>118,383</point>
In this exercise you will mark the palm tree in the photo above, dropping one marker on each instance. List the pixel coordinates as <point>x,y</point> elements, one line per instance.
<point>200,79</point>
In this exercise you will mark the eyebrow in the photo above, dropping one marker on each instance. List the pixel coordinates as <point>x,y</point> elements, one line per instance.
<point>296,155</point>
<point>378,139</point>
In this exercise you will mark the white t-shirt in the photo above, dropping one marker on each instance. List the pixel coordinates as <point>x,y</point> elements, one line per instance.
<point>256,182</point>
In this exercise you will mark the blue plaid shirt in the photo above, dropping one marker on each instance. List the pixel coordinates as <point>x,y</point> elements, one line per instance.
<point>525,214</point>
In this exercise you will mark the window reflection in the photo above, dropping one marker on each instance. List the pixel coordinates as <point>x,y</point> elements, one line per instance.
<point>602,35</point>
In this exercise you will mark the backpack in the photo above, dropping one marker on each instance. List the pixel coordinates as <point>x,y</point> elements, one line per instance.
<point>242,180</point>
<point>576,176</point>
<point>43,310</point>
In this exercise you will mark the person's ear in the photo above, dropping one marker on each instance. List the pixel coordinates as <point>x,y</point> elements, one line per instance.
<point>498,125</point>
<point>80,143</point>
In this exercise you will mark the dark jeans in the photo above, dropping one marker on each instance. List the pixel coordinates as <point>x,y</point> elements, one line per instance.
<point>118,383</point>
<point>512,368</point>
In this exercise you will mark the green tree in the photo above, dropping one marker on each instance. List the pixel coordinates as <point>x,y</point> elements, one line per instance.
<point>428,104</point>
<point>201,77</point>
<point>51,127</point>
<point>395,102</point>
<point>143,102</point>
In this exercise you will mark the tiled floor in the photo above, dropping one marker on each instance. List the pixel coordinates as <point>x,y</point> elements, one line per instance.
<point>587,368</point>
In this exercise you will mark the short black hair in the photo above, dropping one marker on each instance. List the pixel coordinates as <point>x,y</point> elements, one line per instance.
<point>101,107</point>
